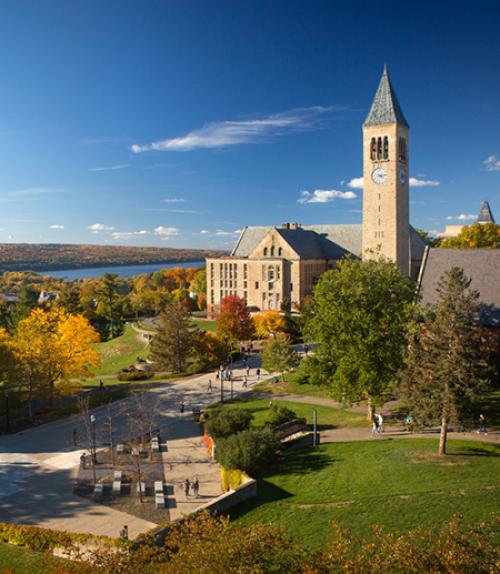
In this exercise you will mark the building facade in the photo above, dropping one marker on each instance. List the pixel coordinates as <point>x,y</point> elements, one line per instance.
<point>277,267</point>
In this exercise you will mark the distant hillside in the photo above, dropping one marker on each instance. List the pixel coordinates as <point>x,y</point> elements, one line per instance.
<point>53,256</point>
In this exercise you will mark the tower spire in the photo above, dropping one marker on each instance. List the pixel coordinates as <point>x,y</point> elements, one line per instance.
<point>385,107</point>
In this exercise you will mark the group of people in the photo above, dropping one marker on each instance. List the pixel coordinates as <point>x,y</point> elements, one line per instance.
<point>226,374</point>
<point>192,487</point>
<point>377,423</point>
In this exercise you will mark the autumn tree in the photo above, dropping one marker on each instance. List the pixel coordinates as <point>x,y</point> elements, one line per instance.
<point>198,288</point>
<point>475,236</point>
<point>173,342</point>
<point>110,303</point>
<point>359,317</point>
<point>7,357</point>
<point>53,346</point>
<point>278,356</point>
<point>234,322</point>
<point>209,350</point>
<point>444,372</point>
<point>268,322</point>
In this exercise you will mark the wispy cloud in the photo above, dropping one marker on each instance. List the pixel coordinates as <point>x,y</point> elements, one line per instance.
<point>204,232</point>
<point>166,232</point>
<point>100,227</point>
<point>357,182</point>
<point>110,167</point>
<point>100,140</point>
<point>223,233</point>
<point>56,226</point>
<point>173,200</point>
<point>227,133</point>
<point>128,234</point>
<point>34,191</point>
<point>324,196</point>
<point>462,217</point>
<point>492,163</point>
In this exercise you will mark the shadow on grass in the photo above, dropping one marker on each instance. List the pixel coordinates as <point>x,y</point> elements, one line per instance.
<point>491,451</point>
<point>267,492</point>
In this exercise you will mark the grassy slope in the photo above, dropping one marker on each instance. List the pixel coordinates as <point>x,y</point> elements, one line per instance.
<point>290,386</point>
<point>205,325</point>
<point>327,416</point>
<point>24,561</point>
<point>399,484</point>
<point>120,352</point>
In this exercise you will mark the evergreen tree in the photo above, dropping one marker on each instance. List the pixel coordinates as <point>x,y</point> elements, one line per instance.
<point>110,304</point>
<point>444,372</point>
<point>173,343</point>
<point>359,318</point>
<point>278,356</point>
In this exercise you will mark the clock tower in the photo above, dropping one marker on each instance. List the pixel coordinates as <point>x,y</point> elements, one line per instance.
<point>386,223</point>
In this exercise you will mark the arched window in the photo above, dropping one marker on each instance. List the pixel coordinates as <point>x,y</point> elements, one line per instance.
<point>373,149</point>
<point>265,251</point>
<point>280,251</point>
<point>379,148</point>
<point>272,251</point>
<point>402,149</point>
<point>386,147</point>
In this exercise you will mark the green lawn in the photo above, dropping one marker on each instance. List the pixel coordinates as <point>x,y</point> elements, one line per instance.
<point>205,325</point>
<point>120,352</point>
<point>292,387</point>
<point>327,416</point>
<point>399,484</point>
<point>24,561</point>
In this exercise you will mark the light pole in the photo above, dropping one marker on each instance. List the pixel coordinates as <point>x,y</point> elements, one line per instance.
<point>7,413</point>
<point>92,423</point>
<point>315,426</point>
<point>221,376</point>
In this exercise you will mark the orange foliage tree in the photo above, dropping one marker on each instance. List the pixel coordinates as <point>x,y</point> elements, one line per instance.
<point>267,323</point>
<point>234,322</point>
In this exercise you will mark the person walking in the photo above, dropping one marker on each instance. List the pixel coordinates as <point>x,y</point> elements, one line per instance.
<point>248,370</point>
<point>196,487</point>
<point>187,486</point>
<point>183,406</point>
<point>380,421</point>
<point>245,382</point>
<point>209,385</point>
<point>375,430</point>
<point>124,532</point>
<point>409,423</point>
<point>482,425</point>
<point>217,375</point>
<point>270,404</point>
<point>258,374</point>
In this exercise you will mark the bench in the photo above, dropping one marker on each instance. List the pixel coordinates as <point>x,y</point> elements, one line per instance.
<point>98,489</point>
<point>118,475</point>
<point>117,487</point>
<point>160,500</point>
<point>120,448</point>
<point>158,487</point>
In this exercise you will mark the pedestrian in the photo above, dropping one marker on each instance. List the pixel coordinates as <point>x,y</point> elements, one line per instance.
<point>380,421</point>
<point>248,371</point>
<point>182,407</point>
<point>245,382</point>
<point>306,349</point>
<point>101,385</point>
<point>196,487</point>
<point>209,385</point>
<point>409,423</point>
<point>374,424</point>
<point>258,374</point>
<point>82,460</point>
<point>75,438</point>
<point>482,424</point>
<point>124,532</point>
<point>270,404</point>
<point>187,486</point>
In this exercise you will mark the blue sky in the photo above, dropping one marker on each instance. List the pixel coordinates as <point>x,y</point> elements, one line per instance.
<point>176,123</point>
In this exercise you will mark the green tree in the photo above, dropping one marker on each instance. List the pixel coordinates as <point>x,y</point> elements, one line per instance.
<point>173,343</point>
<point>28,300</point>
<point>223,422</point>
<point>250,450</point>
<point>198,288</point>
<point>110,303</point>
<point>477,235</point>
<point>278,356</point>
<point>444,371</point>
<point>359,317</point>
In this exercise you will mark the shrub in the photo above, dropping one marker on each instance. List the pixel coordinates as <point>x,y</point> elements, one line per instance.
<point>223,422</point>
<point>134,376</point>
<point>231,479</point>
<point>249,450</point>
<point>280,415</point>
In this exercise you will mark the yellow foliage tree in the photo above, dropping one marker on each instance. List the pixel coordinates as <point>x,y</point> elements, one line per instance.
<point>52,346</point>
<point>267,323</point>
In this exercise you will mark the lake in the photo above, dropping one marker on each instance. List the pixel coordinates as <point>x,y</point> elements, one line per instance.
<point>123,270</point>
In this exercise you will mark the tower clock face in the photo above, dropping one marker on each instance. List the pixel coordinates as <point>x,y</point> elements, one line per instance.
<point>379,175</point>
<point>402,175</point>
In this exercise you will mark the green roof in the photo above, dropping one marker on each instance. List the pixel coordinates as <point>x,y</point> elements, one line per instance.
<point>385,107</point>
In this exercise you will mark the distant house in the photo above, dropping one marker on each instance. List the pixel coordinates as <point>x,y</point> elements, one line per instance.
<point>46,297</point>
<point>482,266</point>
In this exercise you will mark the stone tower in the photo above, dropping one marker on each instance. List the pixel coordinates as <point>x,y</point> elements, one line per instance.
<point>386,224</point>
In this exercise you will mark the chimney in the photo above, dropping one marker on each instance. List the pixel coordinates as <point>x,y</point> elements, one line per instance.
<point>285,225</point>
<point>293,225</point>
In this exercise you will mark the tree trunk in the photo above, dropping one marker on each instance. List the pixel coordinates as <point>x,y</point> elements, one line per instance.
<point>369,411</point>
<point>443,435</point>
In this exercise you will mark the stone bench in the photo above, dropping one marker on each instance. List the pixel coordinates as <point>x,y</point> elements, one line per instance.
<point>98,489</point>
<point>117,487</point>
<point>159,500</point>
<point>158,487</point>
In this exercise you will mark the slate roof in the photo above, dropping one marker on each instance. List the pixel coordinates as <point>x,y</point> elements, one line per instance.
<point>480,265</point>
<point>485,215</point>
<point>327,241</point>
<point>385,107</point>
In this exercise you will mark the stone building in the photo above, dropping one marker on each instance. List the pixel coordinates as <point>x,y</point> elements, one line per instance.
<point>273,267</point>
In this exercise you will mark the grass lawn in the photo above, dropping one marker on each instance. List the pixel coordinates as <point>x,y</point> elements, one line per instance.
<point>205,325</point>
<point>292,387</point>
<point>327,416</point>
<point>398,484</point>
<point>25,561</point>
<point>120,352</point>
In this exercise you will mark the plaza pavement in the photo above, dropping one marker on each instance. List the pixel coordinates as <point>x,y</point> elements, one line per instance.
<point>38,466</point>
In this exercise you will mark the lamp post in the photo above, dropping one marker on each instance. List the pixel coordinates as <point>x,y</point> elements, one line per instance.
<point>315,426</point>
<point>7,413</point>
<point>92,422</point>
<point>221,376</point>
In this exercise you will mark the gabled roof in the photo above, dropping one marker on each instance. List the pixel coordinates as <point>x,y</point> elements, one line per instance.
<point>385,107</point>
<point>482,266</point>
<point>332,241</point>
<point>485,215</point>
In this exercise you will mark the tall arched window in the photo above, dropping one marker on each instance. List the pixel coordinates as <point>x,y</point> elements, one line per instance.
<point>386,147</point>
<point>402,149</point>
<point>373,149</point>
<point>379,148</point>
<point>272,251</point>
<point>280,251</point>
<point>265,251</point>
